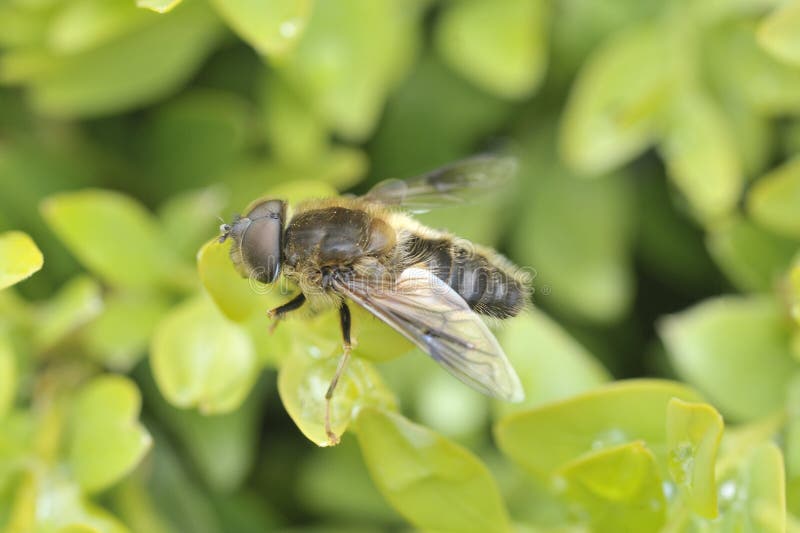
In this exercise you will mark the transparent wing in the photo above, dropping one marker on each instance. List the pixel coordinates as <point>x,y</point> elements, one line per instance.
<point>457,183</point>
<point>434,317</point>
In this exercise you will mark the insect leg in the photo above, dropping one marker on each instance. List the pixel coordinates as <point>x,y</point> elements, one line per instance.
<point>344,321</point>
<point>279,311</point>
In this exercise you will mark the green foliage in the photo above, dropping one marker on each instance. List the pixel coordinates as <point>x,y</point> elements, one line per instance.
<point>19,258</point>
<point>657,207</point>
<point>107,441</point>
<point>112,235</point>
<point>472,34</point>
<point>201,360</point>
<point>436,484</point>
<point>724,365</point>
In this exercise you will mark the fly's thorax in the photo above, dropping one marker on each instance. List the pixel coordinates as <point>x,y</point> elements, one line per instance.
<point>334,237</point>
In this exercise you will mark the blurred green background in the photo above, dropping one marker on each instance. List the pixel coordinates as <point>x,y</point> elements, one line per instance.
<point>658,203</point>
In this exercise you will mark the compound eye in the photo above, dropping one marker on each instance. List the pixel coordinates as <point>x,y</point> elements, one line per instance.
<point>262,242</point>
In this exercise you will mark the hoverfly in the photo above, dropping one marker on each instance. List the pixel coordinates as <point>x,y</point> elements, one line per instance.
<point>428,285</point>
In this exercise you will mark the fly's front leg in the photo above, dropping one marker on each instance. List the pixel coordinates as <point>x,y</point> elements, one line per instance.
<point>344,320</point>
<point>277,314</point>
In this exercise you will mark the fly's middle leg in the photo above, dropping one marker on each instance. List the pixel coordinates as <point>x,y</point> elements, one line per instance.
<point>344,321</point>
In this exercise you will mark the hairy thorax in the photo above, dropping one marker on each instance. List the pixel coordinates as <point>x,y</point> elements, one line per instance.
<point>325,240</point>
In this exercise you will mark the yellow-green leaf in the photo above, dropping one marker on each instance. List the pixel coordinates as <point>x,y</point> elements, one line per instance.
<point>499,46</point>
<point>736,64</point>
<point>753,258</point>
<point>694,431</point>
<point>613,109</point>
<point>779,33</point>
<point>545,438</point>
<point>550,364</point>
<point>78,302</point>
<point>272,27</point>
<point>20,258</point>
<point>736,350</point>
<point>754,497</point>
<point>84,24</point>
<point>794,292</point>
<point>435,484</point>
<point>159,6</point>
<point>112,235</point>
<point>373,339</point>
<point>107,439</point>
<point>620,488</point>
<point>8,376</point>
<point>583,261</point>
<point>303,380</point>
<point>238,298</point>
<point>135,68</point>
<point>202,360</point>
<point>120,335</point>
<point>774,200</point>
<point>701,155</point>
<point>295,133</point>
<point>352,53</point>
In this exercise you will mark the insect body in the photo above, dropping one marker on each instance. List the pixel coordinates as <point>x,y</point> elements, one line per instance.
<point>428,285</point>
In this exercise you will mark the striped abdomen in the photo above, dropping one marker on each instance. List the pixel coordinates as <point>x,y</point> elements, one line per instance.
<point>487,282</point>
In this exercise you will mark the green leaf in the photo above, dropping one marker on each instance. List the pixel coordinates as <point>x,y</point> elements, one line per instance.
<point>550,364</point>
<point>49,502</point>
<point>303,380</point>
<point>294,132</point>
<point>701,155</point>
<point>499,46</point>
<point>374,340</point>
<point>735,349</point>
<point>581,262</point>
<point>620,488</point>
<point>272,27</point>
<point>188,219</point>
<point>222,447</point>
<point>752,258</point>
<point>85,24</point>
<point>736,64</point>
<point>779,33</point>
<point>192,141</point>
<point>107,439</point>
<point>751,131</point>
<point>19,258</point>
<point>694,431</point>
<point>613,108</point>
<point>352,54</point>
<point>19,26</point>
<point>794,291</point>
<point>136,68</point>
<point>417,133</point>
<point>546,438</point>
<point>159,6</point>
<point>319,479</point>
<point>791,437</point>
<point>77,303</point>
<point>112,235</point>
<point>121,334</point>
<point>774,199</point>
<point>8,381</point>
<point>238,298</point>
<point>754,498</point>
<point>435,484</point>
<point>202,360</point>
